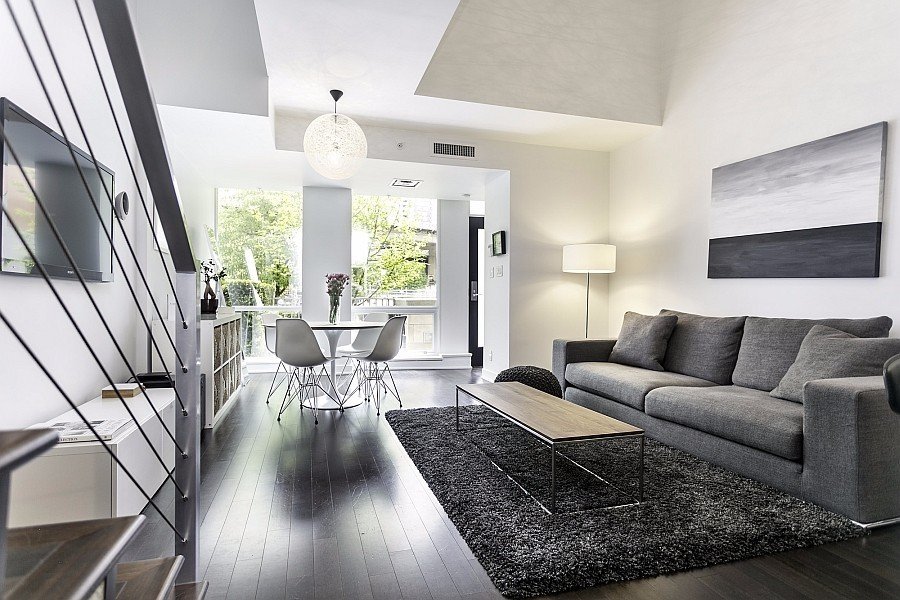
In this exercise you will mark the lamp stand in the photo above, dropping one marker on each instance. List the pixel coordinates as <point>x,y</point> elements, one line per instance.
<point>587,305</point>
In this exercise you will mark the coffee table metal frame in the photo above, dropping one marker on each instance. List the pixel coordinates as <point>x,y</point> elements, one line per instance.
<point>552,444</point>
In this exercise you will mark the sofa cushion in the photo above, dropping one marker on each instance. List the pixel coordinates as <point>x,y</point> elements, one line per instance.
<point>769,346</point>
<point>704,347</point>
<point>743,415</point>
<point>642,341</point>
<point>623,383</point>
<point>828,353</point>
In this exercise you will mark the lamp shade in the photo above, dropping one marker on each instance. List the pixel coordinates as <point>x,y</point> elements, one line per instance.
<point>335,146</point>
<point>589,258</point>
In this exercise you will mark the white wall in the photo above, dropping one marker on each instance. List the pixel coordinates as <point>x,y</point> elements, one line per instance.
<point>496,289</point>
<point>557,196</point>
<point>327,222</point>
<point>26,396</point>
<point>746,78</point>
<point>198,199</point>
<point>453,276</point>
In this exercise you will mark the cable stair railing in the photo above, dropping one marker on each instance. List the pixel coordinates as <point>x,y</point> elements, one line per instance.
<point>84,559</point>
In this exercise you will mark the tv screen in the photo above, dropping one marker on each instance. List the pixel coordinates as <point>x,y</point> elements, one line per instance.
<point>48,165</point>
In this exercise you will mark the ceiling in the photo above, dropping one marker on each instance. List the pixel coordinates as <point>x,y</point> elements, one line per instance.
<point>581,75</point>
<point>378,52</point>
<point>593,58</point>
<point>228,150</point>
<point>204,54</point>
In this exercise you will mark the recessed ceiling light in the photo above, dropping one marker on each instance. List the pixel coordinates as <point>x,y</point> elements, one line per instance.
<point>406,183</point>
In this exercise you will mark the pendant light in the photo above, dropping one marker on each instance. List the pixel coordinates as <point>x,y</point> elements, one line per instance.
<point>334,144</point>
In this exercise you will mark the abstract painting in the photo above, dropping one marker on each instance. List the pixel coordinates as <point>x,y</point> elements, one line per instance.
<point>812,210</point>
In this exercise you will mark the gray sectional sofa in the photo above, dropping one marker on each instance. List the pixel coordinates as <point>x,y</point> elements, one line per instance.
<point>839,447</point>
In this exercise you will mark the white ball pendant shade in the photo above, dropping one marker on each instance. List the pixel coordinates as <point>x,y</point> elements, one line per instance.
<point>335,146</point>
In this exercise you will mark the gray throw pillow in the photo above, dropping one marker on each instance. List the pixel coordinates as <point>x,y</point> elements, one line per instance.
<point>643,340</point>
<point>769,346</point>
<point>704,347</point>
<point>828,353</point>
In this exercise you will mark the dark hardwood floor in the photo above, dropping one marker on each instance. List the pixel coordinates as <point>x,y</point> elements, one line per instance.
<point>294,511</point>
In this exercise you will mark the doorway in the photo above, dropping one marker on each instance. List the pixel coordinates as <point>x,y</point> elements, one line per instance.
<point>477,246</point>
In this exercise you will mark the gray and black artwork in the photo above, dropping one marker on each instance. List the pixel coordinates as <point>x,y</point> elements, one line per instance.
<point>813,210</point>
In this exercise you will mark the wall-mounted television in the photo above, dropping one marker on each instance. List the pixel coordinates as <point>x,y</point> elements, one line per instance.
<point>48,164</point>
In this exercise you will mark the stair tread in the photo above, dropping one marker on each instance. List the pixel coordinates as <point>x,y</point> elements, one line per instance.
<point>19,446</point>
<point>147,579</point>
<point>65,560</point>
<point>191,591</point>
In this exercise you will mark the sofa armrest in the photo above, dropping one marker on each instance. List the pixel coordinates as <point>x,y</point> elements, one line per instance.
<point>851,448</point>
<point>566,352</point>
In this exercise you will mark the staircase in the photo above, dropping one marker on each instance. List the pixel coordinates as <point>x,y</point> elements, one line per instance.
<point>77,560</point>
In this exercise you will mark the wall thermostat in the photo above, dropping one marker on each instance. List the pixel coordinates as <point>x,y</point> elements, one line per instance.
<point>122,205</point>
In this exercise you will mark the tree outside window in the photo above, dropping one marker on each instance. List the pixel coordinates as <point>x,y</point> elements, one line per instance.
<point>394,251</point>
<point>394,257</point>
<point>258,242</point>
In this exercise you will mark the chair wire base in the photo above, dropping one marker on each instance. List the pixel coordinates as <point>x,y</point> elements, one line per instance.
<point>306,387</point>
<point>372,380</point>
<point>284,377</point>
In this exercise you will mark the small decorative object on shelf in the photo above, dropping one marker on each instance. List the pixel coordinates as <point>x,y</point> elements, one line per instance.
<point>334,285</point>
<point>211,272</point>
<point>125,390</point>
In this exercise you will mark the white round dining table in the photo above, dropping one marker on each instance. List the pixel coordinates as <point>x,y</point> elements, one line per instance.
<point>333,332</point>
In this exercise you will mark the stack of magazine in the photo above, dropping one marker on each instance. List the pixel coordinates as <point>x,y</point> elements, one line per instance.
<point>77,431</point>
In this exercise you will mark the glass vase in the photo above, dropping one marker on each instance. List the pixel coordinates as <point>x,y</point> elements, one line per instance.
<point>334,304</point>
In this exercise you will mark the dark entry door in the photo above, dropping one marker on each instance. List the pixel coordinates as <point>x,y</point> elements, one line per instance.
<point>477,245</point>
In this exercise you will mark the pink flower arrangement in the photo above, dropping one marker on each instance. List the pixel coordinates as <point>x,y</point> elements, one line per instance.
<point>335,283</point>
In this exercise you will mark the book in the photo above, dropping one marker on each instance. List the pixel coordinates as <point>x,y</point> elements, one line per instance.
<point>126,390</point>
<point>77,431</point>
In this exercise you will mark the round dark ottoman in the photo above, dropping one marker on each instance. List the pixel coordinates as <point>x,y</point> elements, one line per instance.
<point>536,377</point>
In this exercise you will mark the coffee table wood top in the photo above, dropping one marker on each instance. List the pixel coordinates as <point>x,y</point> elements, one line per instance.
<point>553,418</point>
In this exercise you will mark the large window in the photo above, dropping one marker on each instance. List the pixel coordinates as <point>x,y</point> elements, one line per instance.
<point>394,256</point>
<point>258,241</point>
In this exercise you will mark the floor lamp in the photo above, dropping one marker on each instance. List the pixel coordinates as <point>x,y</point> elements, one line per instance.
<point>589,258</point>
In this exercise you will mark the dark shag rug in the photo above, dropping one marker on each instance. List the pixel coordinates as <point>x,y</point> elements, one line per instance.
<point>694,515</point>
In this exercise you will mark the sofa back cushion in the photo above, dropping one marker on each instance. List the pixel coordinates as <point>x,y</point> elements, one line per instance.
<point>704,347</point>
<point>642,341</point>
<point>769,346</point>
<point>828,353</point>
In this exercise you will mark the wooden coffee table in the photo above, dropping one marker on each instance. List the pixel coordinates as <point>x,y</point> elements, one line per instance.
<point>555,422</point>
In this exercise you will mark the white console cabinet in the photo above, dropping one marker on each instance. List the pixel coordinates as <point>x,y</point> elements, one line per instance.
<point>77,481</point>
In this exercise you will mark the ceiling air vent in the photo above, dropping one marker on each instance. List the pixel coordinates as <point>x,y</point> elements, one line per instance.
<point>406,183</point>
<point>454,150</point>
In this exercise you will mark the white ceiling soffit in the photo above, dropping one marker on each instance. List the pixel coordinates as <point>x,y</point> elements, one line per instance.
<point>593,58</point>
<point>231,150</point>
<point>377,53</point>
<point>203,53</point>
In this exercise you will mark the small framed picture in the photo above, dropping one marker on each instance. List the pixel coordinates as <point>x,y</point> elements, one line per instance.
<point>498,243</point>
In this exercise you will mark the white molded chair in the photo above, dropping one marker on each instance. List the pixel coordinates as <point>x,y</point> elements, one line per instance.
<point>268,320</point>
<point>372,368</point>
<point>296,345</point>
<point>364,341</point>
